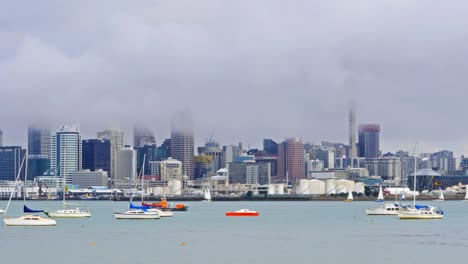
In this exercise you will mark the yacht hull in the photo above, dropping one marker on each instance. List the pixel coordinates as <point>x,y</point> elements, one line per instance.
<point>136,217</point>
<point>29,220</point>
<point>67,215</point>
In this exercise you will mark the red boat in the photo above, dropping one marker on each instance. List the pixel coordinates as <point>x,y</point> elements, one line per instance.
<point>163,206</point>
<point>243,212</point>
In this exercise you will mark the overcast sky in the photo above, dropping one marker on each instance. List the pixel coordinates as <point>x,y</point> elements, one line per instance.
<point>245,69</point>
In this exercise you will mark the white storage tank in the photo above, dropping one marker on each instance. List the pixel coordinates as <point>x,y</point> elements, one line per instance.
<point>279,188</point>
<point>302,187</point>
<point>342,186</point>
<point>176,187</point>
<point>351,186</point>
<point>330,186</point>
<point>316,187</point>
<point>157,190</point>
<point>271,189</point>
<point>359,187</point>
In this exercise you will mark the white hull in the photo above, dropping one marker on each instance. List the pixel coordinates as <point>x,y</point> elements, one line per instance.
<point>137,215</point>
<point>1,211</point>
<point>386,209</point>
<point>29,220</point>
<point>161,213</point>
<point>421,214</point>
<point>68,213</point>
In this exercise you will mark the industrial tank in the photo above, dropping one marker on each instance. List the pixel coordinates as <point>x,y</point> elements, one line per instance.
<point>342,186</point>
<point>359,187</point>
<point>330,186</point>
<point>176,187</point>
<point>316,187</point>
<point>271,189</point>
<point>279,188</point>
<point>302,187</point>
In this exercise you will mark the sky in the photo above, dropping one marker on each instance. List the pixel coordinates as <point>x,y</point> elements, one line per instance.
<point>245,70</point>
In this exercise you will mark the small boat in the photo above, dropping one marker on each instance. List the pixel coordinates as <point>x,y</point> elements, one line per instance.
<point>163,206</point>
<point>2,211</point>
<point>68,213</point>
<point>137,214</point>
<point>441,196</point>
<point>160,212</point>
<point>242,212</point>
<point>207,195</point>
<point>29,220</point>
<point>380,197</point>
<point>386,209</point>
<point>421,212</point>
<point>350,197</point>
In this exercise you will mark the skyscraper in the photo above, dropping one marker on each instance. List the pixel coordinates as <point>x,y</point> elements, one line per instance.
<point>116,138</point>
<point>125,163</point>
<point>352,133</point>
<point>182,142</point>
<point>142,136</point>
<point>270,147</point>
<point>291,160</point>
<point>96,154</point>
<point>38,141</point>
<point>65,151</point>
<point>10,163</point>
<point>369,140</point>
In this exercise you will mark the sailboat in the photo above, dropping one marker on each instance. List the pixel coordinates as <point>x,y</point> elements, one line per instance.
<point>67,211</point>
<point>380,197</point>
<point>27,219</point>
<point>386,208</point>
<point>441,196</point>
<point>350,196</point>
<point>207,195</point>
<point>419,212</point>
<point>138,212</point>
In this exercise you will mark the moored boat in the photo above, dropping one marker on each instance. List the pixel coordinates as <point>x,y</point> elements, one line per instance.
<point>242,212</point>
<point>421,212</point>
<point>29,220</point>
<point>380,197</point>
<point>68,213</point>
<point>385,209</point>
<point>350,197</point>
<point>137,214</point>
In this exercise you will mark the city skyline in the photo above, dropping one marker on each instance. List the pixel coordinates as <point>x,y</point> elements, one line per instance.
<point>128,67</point>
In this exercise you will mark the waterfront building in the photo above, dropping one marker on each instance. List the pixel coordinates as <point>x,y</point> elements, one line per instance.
<point>249,172</point>
<point>10,162</point>
<point>39,141</point>
<point>88,178</point>
<point>389,168</point>
<point>171,169</point>
<point>116,138</point>
<point>369,140</point>
<point>38,165</point>
<point>66,152</point>
<point>142,136</point>
<point>125,164</point>
<point>97,154</point>
<point>291,160</point>
<point>270,147</point>
<point>182,143</point>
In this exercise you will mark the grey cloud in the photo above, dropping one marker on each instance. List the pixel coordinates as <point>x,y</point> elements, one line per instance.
<point>245,69</point>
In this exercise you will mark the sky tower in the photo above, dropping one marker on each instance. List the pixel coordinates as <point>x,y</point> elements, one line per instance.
<point>352,133</point>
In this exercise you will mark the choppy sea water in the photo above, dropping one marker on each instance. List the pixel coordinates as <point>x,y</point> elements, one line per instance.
<point>285,232</point>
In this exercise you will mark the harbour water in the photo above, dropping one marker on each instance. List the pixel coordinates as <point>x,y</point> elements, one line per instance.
<point>285,232</point>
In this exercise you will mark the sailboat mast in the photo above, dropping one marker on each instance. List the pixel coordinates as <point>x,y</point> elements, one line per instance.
<point>25,178</point>
<point>142,173</point>
<point>414,176</point>
<point>14,187</point>
<point>65,171</point>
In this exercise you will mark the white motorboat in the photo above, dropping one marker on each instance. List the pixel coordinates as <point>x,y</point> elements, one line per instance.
<point>29,220</point>
<point>385,209</point>
<point>68,213</point>
<point>137,214</point>
<point>421,212</point>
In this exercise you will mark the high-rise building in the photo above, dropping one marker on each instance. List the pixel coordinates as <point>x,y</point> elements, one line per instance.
<point>10,163</point>
<point>39,141</point>
<point>116,138</point>
<point>249,172</point>
<point>270,147</point>
<point>182,143</point>
<point>203,166</point>
<point>229,153</point>
<point>352,133</point>
<point>369,140</point>
<point>66,152</point>
<point>171,169</point>
<point>97,154</point>
<point>213,150</point>
<point>1,138</point>
<point>389,168</point>
<point>443,162</point>
<point>125,163</point>
<point>291,161</point>
<point>327,155</point>
<point>38,165</point>
<point>142,136</point>
<point>87,178</point>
